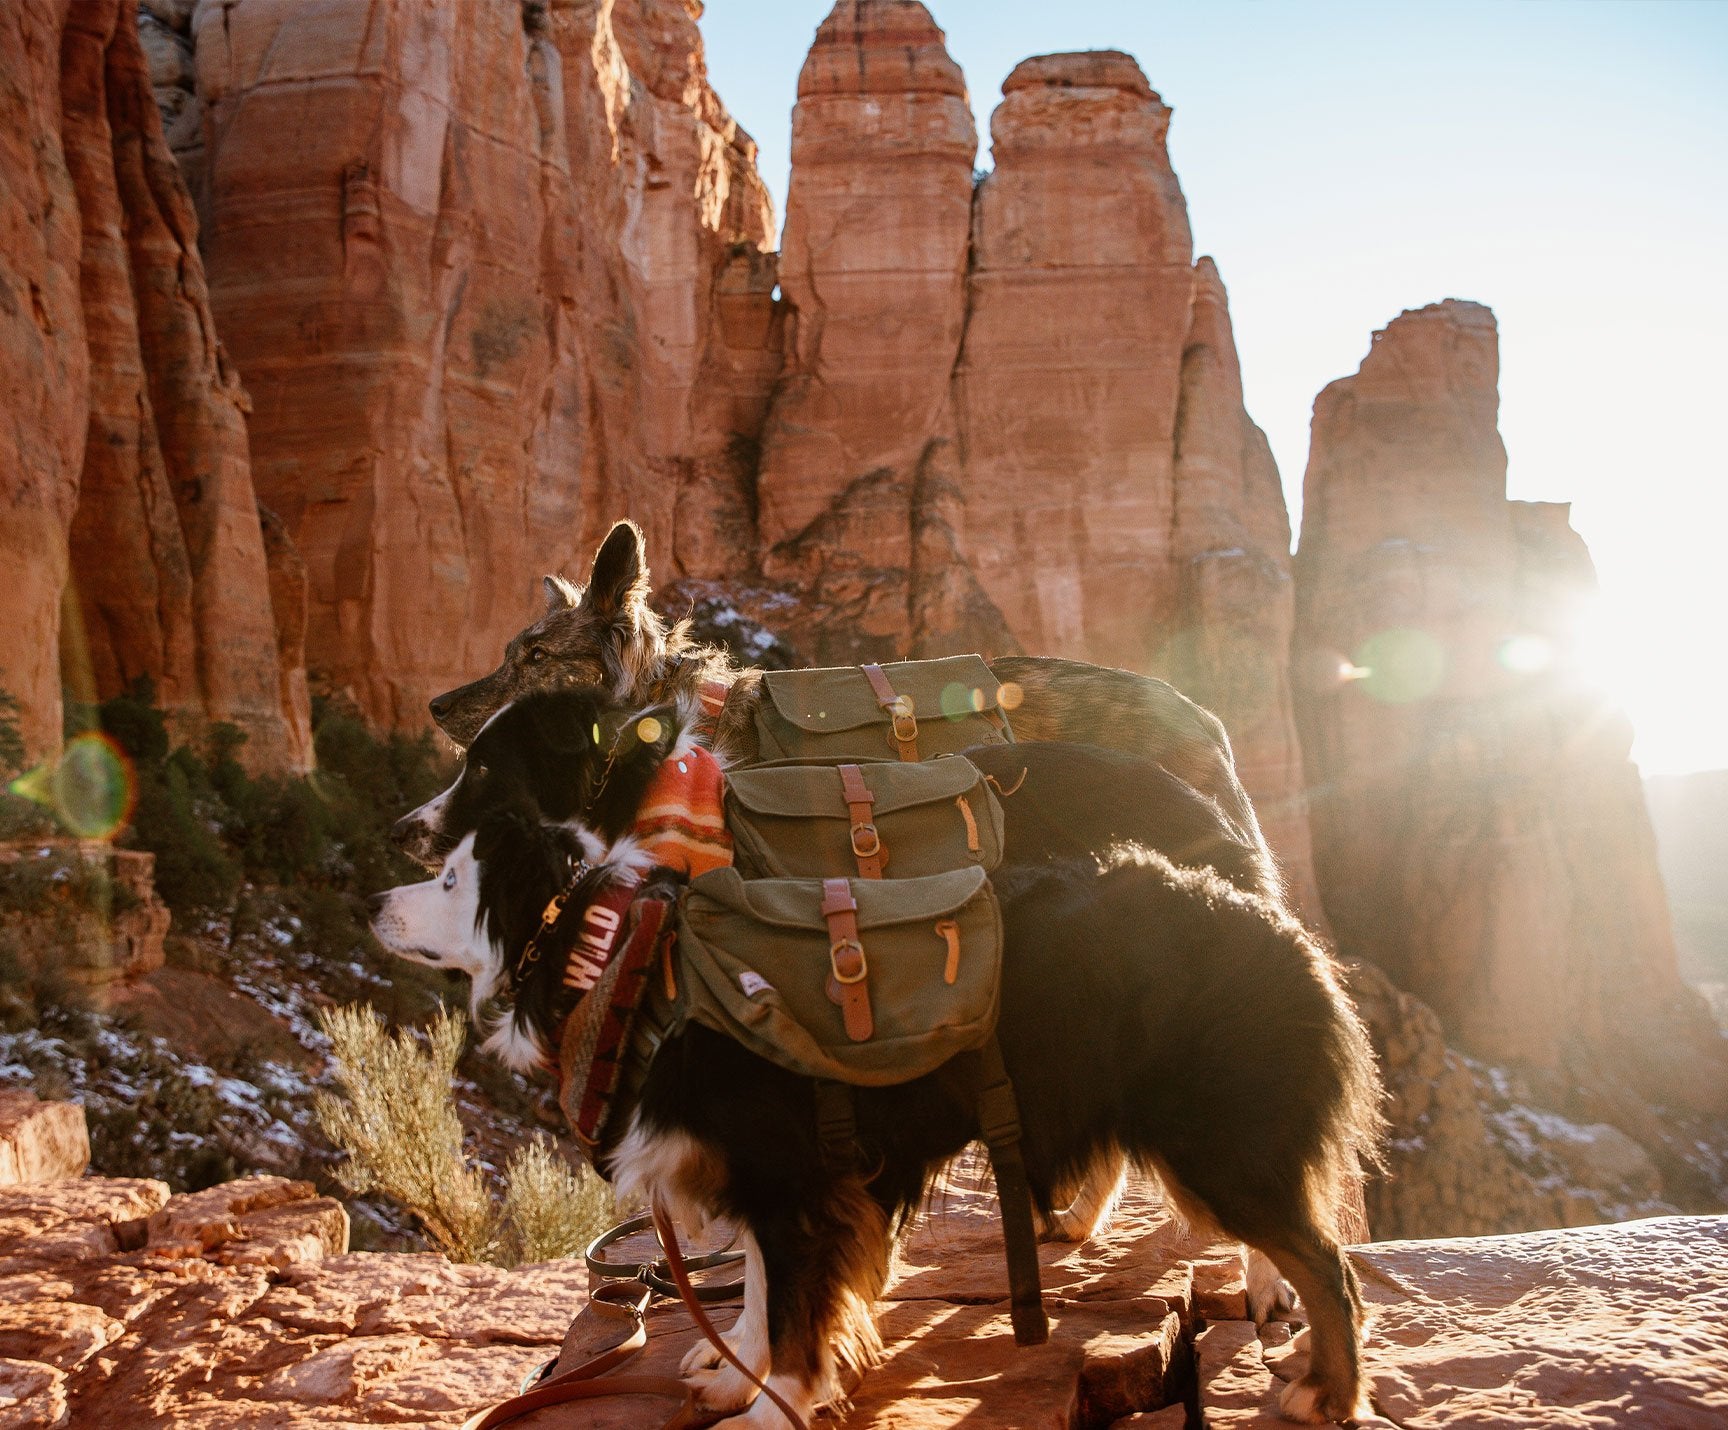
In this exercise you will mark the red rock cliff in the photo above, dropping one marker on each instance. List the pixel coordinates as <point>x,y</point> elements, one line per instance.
<point>495,276</point>
<point>130,501</point>
<point>1478,828</point>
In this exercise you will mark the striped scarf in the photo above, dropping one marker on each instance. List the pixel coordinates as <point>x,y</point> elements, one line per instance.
<point>681,822</point>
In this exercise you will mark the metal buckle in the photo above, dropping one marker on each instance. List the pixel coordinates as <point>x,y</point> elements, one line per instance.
<point>905,732</point>
<point>875,841</point>
<point>838,947</point>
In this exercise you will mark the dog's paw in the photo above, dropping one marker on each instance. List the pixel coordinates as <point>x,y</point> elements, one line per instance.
<point>1310,1401</point>
<point>1064,1226</point>
<point>722,1391</point>
<point>704,1356</point>
<point>1269,1294</point>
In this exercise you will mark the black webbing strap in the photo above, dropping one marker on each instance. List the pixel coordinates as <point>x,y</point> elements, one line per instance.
<point>999,1123</point>
<point>836,1125</point>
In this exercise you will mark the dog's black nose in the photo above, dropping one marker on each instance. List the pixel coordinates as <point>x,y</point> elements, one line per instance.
<point>439,705</point>
<point>403,830</point>
<point>375,903</point>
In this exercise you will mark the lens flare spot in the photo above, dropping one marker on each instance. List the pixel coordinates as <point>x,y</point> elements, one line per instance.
<point>960,700</point>
<point>1526,655</point>
<point>1399,666</point>
<point>648,729</point>
<point>92,790</point>
<point>1010,695</point>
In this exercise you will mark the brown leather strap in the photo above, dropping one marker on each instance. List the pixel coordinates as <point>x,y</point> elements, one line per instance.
<point>860,805</point>
<point>948,930</point>
<point>903,724</point>
<point>668,1235</point>
<point>584,1382</point>
<point>848,970</point>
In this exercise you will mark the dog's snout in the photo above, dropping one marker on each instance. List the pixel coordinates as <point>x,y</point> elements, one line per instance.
<point>440,706</point>
<point>402,832</point>
<point>375,903</point>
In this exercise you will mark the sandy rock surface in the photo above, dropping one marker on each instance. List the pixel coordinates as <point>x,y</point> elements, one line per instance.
<point>238,1306</point>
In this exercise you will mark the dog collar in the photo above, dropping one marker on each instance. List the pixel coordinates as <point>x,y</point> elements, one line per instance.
<point>550,915</point>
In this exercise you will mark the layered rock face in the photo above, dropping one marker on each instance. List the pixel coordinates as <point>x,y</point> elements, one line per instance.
<point>478,295</point>
<point>1080,295</point>
<point>44,384</point>
<point>859,453</point>
<point>1011,416</point>
<point>131,501</point>
<point>1478,828</point>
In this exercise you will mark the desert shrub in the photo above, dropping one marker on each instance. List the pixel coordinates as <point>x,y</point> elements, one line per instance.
<point>396,1120</point>
<point>394,1116</point>
<point>549,1211</point>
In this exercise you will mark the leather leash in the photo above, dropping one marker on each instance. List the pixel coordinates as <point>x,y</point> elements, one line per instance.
<point>668,1235</point>
<point>589,1380</point>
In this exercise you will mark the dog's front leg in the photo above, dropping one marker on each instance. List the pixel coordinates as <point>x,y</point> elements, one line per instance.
<point>721,1385</point>
<point>823,1267</point>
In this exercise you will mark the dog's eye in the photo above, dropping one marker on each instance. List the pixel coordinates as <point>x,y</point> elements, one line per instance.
<point>450,879</point>
<point>536,654</point>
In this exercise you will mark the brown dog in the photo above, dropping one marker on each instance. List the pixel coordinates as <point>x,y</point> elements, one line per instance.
<point>606,634</point>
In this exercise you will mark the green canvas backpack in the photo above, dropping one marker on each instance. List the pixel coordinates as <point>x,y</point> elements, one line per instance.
<point>875,820</point>
<point>908,710</point>
<point>864,981</point>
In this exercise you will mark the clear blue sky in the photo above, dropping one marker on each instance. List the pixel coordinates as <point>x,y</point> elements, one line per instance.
<point>1563,161</point>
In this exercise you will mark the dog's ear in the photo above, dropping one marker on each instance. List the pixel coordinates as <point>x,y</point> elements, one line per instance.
<point>619,580</point>
<point>561,595</point>
<point>522,865</point>
<point>563,722</point>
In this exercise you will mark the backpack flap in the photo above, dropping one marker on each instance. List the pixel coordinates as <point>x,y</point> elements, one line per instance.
<point>907,710</point>
<point>874,820</point>
<point>913,965</point>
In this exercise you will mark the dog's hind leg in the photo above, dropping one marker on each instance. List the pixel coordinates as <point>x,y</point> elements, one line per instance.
<point>1322,1275</point>
<point>1096,1202</point>
<point>824,1264</point>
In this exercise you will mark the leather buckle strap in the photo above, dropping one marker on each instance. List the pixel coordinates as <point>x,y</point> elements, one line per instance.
<point>848,986</point>
<point>903,724</point>
<point>866,839</point>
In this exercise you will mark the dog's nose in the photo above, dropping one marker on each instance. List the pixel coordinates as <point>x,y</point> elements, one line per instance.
<point>439,705</point>
<point>402,831</point>
<point>375,903</point>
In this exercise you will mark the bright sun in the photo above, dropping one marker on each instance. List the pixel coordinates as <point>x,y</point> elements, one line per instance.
<point>1671,680</point>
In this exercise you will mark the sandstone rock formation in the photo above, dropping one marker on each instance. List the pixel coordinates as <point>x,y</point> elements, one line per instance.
<point>859,459</point>
<point>1080,305</point>
<point>1036,441</point>
<point>40,1141</point>
<point>239,1306</point>
<point>1478,829</point>
<point>130,502</point>
<point>86,913</point>
<point>494,275</point>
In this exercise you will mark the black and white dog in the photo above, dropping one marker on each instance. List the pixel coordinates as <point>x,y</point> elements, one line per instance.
<point>1147,1012</point>
<point>575,758</point>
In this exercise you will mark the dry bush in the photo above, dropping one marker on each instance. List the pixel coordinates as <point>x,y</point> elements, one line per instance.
<point>395,1117</point>
<point>550,1211</point>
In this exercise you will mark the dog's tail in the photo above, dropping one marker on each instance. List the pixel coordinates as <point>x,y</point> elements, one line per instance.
<point>1352,1143</point>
